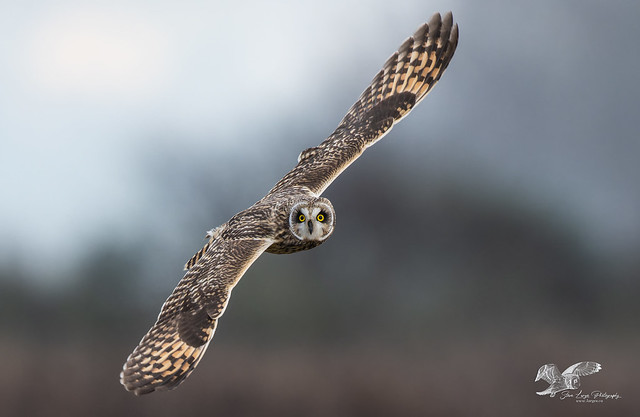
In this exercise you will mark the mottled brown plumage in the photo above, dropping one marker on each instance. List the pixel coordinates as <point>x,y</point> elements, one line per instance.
<point>290,218</point>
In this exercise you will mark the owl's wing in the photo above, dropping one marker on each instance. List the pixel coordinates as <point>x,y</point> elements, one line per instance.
<point>406,78</point>
<point>170,351</point>
<point>549,373</point>
<point>583,368</point>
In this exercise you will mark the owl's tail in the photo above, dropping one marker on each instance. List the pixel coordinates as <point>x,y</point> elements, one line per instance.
<point>163,359</point>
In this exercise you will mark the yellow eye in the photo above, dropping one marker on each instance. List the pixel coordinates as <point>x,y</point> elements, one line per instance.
<point>301,218</point>
<point>320,217</point>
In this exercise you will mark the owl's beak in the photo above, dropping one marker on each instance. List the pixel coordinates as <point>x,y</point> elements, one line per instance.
<point>310,226</point>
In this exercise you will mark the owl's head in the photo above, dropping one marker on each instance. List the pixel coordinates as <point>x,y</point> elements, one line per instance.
<point>572,381</point>
<point>312,219</point>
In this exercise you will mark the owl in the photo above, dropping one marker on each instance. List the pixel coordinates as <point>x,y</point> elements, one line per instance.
<point>569,379</point>
<point>292,217</point>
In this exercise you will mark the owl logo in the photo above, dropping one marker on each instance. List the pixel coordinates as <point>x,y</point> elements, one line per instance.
<point>569,379</point>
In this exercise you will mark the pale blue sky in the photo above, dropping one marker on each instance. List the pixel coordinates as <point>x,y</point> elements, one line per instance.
<point>541,96</point>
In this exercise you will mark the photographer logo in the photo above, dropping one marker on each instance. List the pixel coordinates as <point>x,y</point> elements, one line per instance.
<point>563,383</point>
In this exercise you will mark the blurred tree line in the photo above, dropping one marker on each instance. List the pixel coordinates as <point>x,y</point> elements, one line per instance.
<point>406,248</point>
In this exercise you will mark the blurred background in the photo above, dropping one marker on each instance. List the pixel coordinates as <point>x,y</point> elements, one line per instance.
<point>494,230</point>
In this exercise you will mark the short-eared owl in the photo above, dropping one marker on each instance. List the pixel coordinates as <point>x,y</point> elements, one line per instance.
<point>290,218</point>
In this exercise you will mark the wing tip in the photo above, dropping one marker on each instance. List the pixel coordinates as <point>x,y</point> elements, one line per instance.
<point>448,19</point>
<point>138,382</point>
<point>409,68</point>
<point>434,22</point>
<point>168,354</point>
<point>596,367</point>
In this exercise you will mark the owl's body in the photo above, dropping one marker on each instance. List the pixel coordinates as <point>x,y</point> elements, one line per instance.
<point>292,217</point>
<point>270,219</point>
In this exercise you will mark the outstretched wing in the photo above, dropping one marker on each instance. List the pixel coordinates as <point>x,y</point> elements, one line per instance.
<point>549,373</point>
<point>583,368</point>
<point>406,78</point>
<point>170,351</point>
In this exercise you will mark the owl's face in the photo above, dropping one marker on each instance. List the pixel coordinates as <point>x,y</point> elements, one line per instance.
<point>312,220</point>
<point>572,381</point>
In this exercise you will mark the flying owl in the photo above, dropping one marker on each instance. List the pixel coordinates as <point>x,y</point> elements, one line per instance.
<point>569,379</point>
<point>292,216</point>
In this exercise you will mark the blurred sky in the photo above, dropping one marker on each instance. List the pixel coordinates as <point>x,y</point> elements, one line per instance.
<point>541,98</point>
